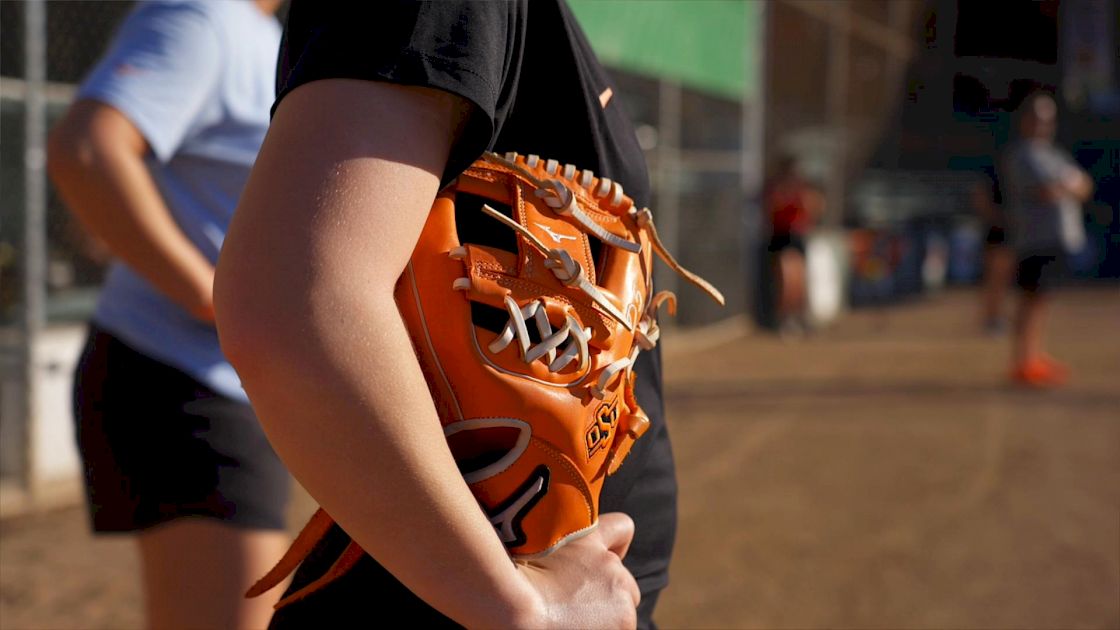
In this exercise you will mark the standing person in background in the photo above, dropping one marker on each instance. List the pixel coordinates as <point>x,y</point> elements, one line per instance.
<point>379,106</point>
<point>1043,189</point>
<point>999,261</point>
<point>792,206</point>
<point>151,158</point>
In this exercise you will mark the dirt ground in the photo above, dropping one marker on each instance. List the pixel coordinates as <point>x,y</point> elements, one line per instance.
<point>881,474</point>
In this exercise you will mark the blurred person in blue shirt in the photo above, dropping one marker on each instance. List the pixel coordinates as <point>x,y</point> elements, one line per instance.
<point>1043,191</point>
<point>151,158</point>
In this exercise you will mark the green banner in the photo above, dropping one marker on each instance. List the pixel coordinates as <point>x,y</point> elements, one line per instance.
<point>701,43</point>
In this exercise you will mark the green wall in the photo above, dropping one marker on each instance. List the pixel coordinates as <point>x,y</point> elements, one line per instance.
<point>701,43</point>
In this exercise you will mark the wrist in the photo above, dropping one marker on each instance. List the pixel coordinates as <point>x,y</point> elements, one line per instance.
<point>519,605</point>
<point>200,302</point>
<point>530,610</point>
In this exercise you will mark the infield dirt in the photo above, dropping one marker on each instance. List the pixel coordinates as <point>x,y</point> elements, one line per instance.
<point>881,474</point>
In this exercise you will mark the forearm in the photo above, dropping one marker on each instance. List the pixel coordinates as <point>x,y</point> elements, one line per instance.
<point>1079,185</point>
<point>304,295</point>
<point>345,404</point>
<point>106,185</point>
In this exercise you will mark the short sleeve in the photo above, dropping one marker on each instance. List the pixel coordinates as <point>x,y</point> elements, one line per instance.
<point>160,71</point>
<point>470,49</point>
<point>1047,165</point>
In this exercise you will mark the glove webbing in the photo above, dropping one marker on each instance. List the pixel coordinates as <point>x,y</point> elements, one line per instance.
<point>560,198</point>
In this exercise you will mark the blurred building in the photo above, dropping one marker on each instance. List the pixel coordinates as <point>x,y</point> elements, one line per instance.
<point>833,77</point>
<point>973,65</point>
<point>720,90</point>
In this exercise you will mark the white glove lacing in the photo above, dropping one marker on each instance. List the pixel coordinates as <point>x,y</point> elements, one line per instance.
<point>557,196</point>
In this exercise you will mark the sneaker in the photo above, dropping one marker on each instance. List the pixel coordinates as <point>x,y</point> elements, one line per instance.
<point>1056,366</point>
<point>1039,373</point>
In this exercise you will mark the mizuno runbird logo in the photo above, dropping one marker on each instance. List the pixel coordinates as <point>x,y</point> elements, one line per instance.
<point>506,518</point>
<point>556,237</point>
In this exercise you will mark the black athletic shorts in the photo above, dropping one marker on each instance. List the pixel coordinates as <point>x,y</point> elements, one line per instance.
<point>157,445</point>
<point>778,242</point>
<point>996,236</point>
<point>1040,273</point>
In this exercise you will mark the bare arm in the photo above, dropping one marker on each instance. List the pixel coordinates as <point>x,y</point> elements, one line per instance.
<point>327,223</point>
<point>1077,184</point>
<point>96,159</point>
<point>1070,182</point>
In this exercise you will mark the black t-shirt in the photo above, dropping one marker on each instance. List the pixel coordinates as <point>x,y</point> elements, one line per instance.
<point>537,88</point>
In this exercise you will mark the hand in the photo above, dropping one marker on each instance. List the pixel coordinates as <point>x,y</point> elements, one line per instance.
<point>583,584</point>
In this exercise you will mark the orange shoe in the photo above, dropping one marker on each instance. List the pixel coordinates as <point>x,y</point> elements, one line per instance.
<point>1039,373</point>
<point>1059,368</point>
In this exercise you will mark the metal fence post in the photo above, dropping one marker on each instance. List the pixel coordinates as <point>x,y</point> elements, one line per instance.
<point>35,225</point>
<point>668,183</point>
<point>752,143</point>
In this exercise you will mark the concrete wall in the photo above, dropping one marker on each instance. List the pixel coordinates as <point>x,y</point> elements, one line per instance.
<point>53,468</point>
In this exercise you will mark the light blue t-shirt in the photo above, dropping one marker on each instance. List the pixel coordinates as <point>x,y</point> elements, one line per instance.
<point>197,78</point>
<point>1040,224</point>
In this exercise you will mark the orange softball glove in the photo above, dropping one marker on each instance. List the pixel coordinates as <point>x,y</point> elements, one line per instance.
<point>528,298</point>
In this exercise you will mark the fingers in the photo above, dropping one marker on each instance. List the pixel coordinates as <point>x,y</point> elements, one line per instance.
<point>617,530</point>
<point>590,564</point>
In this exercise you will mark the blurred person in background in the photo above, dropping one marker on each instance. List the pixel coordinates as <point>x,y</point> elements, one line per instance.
<point>151,158</point>
<point>1043,189</point>
<point>999,259</point>
<point>792,205</point>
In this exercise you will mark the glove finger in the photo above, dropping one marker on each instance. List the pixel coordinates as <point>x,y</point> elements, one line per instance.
<point>616,530</point>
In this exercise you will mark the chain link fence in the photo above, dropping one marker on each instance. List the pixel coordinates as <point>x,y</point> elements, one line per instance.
<point>76,33</point>
<point>49,268</point>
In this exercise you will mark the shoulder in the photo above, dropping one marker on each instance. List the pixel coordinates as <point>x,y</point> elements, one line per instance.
<point>162,13</point>
<point>241,26</point>
<point>159,26</point>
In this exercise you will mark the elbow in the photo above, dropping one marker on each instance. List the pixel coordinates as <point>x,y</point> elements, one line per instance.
<point>241,332</point>
<point>89,137</point>
<point>1087,190</point>
<point>259,312</point>
<point>273,320</point>
<point>254,299</point>
<point>235,314</point>
<point>66,149</point>
<point>75,148</point>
